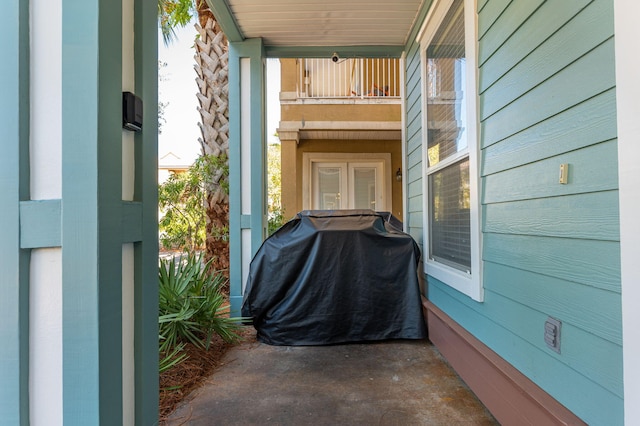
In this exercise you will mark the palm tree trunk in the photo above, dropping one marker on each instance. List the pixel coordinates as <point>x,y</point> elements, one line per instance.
<point>212,67</point>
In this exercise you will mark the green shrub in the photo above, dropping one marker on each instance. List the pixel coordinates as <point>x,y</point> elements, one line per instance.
<point>181,202</point>
<point>192,307</point>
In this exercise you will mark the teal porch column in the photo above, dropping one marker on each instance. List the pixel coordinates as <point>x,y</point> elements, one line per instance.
<point>14,187</point>
<point>247,162</point>
<point>87,223</point>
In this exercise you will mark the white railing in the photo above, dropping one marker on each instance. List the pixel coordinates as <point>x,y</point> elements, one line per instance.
<point>351,77</point>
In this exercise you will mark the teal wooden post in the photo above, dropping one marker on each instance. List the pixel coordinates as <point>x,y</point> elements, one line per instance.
<point>14,187</point>
<point>146,194</point>
<point>95,220</point>
<point>247,162</point>
<point>86,156</point>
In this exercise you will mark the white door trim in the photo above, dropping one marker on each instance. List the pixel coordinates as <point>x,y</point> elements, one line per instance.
<point>308,158</point>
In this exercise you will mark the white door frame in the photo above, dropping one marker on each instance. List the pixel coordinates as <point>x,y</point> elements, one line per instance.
<point>308,158</point>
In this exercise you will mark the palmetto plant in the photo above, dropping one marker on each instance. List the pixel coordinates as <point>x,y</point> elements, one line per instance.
<point>192,306</point>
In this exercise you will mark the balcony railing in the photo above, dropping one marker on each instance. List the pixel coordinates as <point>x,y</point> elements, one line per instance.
<point>348,78</point>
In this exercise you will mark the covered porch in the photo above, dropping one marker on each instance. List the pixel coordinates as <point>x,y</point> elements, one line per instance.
<point>78,195</point>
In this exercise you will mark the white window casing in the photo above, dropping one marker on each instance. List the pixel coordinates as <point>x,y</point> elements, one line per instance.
<point>467,281</point>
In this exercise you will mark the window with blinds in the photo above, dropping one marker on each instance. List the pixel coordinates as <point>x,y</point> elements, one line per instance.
<point>447,144</point>
<point>449,216</point>
<point>452,234</point>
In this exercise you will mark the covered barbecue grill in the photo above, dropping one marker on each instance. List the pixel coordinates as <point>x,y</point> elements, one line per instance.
<point>335,276</point>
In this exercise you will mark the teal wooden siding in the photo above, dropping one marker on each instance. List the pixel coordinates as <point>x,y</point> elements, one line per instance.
<point>547,97</point>
<point>413,135</point>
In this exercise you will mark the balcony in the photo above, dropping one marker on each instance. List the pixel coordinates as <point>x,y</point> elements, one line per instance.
<point>346,81</point>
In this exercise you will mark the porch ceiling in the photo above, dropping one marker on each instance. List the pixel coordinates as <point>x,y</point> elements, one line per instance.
<point>317,26</point>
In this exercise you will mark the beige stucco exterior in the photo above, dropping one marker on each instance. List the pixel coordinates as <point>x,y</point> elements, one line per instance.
<point>353,126</point>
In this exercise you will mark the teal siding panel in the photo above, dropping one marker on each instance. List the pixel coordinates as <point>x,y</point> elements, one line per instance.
<point>593,310</point>
<point>413,91</point>
<point>564,47</point>
<point>414,173</point>
<point>415,205</point>
<point>592,121</point>
<point>587,216</point>
<point>589,262</point>
<point>595,358</point>
<point>551,16</point>
<point>547,86</point>
<point>414,107</point>
<point>413,67</point>
<point>415,220</point>
<point>415,157</point>
<point>590,169</point>
<point>590,75</point>
<point>507,23</point>
<point>416,234</point>
<point>414,132</point>
<point>490,14</point>
<point>414,189</point>
<point>594,404</point>
<point>415,143</point>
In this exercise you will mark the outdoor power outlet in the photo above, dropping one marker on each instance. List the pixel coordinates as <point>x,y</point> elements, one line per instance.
<point>552,328</point>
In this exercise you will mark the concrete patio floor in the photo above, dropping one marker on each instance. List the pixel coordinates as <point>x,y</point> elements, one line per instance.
<point>384,383</point>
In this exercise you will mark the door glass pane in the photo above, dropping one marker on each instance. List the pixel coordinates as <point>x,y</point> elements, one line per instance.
<point>449,221</point>
<point>364,183</point>
<point>446,115</point>
<point>329,182</point>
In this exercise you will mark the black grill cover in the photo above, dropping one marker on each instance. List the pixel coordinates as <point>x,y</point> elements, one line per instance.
<point>335,276</point>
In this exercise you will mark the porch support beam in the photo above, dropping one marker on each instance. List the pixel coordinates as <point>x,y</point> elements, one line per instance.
<point>247,162</point>
<point>14,187</point>
<point>327,51</point>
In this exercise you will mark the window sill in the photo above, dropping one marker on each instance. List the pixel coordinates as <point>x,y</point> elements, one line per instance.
<point>467,284</point>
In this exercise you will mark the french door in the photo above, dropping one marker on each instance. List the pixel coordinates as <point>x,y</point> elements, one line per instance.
<point>348,185</point>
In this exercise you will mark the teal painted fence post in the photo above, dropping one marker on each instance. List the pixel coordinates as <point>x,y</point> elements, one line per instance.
<point>80,238</point>
<point>14,187</point>
<point>146,192</point>
<point>91,222</point>
<point>93,214</point>
<point>245,176</point>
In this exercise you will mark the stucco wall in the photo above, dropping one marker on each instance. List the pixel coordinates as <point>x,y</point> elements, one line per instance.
<point>292,167</point>
<point>337,112</point>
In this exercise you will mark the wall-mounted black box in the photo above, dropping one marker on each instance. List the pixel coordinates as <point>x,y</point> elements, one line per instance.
<point>131,112</point>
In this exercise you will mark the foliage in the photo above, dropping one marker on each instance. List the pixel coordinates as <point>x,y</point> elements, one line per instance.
<point>181,201</point>
<point>172,357</point>
<point>214,170</point>
<point>162,106</point>
<point>173,14</point>
<point>180,198</point>
<point>274,188</point>
<point>191,305</point>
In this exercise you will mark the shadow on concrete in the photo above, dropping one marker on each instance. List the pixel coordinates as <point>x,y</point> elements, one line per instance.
<point>382,383</point>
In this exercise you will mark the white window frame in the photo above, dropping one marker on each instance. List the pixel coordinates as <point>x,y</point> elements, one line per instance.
<point>469,284</point>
